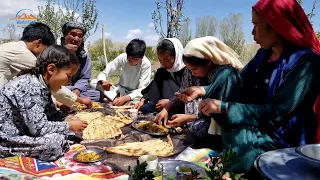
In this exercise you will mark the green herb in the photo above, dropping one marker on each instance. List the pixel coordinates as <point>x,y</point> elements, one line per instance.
<point>140,173</point>
<point>218,168</point>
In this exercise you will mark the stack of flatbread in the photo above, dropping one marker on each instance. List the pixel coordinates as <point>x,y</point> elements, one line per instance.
<point>103,127</point>
<point>152,147</point>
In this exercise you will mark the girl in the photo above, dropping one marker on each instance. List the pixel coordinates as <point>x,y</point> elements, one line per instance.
<point>203,57</point>
<point>30,125</point>
<point>167,79</point>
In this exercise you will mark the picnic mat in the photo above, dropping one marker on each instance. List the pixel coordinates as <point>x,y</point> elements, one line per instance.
<point>20,167</point>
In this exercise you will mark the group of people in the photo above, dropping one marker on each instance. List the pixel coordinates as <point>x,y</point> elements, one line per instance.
<point>264,105</point>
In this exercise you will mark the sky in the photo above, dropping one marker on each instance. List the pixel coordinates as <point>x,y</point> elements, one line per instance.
<point>128,19</point>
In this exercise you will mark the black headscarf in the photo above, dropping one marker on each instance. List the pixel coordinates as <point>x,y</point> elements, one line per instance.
<point>66,28</point>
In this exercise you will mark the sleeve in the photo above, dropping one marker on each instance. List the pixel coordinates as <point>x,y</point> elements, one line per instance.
<point>152,90</point>
<point>85,76</point>
<point>32,109</point>
<point>291,93</point>
<point>65,96</point>
<point>112,67</point>
<point>185,83</point>
<point>144,81</point>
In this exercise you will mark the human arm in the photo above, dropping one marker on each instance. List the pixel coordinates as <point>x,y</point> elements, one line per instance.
<point>68,98</point>
<point>112,67</point>
<point>84,78</point>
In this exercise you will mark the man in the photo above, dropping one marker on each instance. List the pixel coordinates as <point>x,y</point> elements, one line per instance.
<point>134,77</point>
<point>15,56</point>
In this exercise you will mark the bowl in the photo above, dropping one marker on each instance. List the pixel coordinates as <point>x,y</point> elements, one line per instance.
<point>311,153</point>
<point>100,152</point>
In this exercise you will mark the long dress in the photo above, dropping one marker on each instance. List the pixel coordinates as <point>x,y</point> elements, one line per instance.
<point>254,123</point>
<point>30,125</point>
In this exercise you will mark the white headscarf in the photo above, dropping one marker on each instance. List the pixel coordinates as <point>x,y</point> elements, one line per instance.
<point>212,48</point>
<point>178,62</point>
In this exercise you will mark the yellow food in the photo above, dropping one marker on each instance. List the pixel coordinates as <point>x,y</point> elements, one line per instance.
<point>151,127</point>
<point>95,105</point>
<point>86,156</point>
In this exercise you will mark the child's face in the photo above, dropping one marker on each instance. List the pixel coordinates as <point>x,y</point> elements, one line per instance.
<point>60,76</point>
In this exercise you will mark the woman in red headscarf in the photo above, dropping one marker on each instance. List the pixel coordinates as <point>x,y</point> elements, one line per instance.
<point>273,108</point>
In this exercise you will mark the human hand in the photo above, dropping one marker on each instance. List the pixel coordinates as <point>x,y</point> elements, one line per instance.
<point>119,101</point>
<point>139,104</point>
<point>162,115</point>
<point>161,104</point>
<point>85,100</point>
<point>179,120</point>
<point>208,106</point>
<point>77,125</point>
<point>191,93</point>
<point>76,92</point>
<point>106,85</point>
<point>71,47</point>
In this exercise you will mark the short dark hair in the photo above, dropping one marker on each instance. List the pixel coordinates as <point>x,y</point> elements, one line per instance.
<point>195,61</point>
<point>36,31</point>
<point>136,48</point>
<point>57,55</point>
<point>166,46</point>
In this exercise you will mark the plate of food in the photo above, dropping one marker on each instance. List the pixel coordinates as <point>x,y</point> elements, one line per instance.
<point>90,155</point>
<point>150,128</point>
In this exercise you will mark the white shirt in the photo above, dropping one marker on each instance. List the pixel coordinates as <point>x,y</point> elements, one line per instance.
<point>133,79</point>
<point>15,56</point>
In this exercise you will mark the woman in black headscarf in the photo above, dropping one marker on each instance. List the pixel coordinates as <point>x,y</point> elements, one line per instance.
<point>73,39</point>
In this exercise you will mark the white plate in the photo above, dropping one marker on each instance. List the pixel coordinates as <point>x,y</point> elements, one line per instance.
<point>285,164</point>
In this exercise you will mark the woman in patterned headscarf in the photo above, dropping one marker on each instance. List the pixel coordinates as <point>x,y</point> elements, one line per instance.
<point>73,39</point>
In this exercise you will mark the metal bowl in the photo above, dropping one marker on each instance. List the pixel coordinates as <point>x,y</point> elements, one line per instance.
<point>311,153</point>
<point>102,155</point>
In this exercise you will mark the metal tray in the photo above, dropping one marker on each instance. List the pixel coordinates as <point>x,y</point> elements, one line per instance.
<point>134,126</point>
<point>102,154</point>
<point>169,168</point>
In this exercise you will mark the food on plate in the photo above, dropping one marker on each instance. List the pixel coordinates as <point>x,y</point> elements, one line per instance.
<point>151,127</point>
<point>95,105</point>
<point>87,156</point>
<point>156,147</point>
<point>102,127</point>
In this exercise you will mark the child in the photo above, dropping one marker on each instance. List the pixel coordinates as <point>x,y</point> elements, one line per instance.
<point>30,125</point>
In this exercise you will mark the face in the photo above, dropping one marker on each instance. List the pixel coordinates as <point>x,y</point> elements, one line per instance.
<point>264,35</point>
<point>38,47</point>
<point>60,76</point>
<point>166,60</point>
<point>199,71</point>
<point>134,60</point>
<point>75,37</point>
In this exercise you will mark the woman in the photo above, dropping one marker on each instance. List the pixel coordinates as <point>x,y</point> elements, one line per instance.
<point>73,39</point>
<point>274,106</point>
<point>30,125</point>
<point>167,79</point>
<point>203,57</point>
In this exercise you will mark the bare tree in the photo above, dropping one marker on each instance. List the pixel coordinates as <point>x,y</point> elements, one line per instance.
<point>231,32</point>
<point>56,13</point>
<point>174,18</point>
<point>206,26</point>
<point>185,34</point>
<point>9,32</point>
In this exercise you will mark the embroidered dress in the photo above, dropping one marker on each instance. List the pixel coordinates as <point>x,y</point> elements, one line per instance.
<point>30,125</point>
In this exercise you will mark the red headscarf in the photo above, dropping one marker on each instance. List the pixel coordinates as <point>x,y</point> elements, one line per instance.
<point>289,20</point>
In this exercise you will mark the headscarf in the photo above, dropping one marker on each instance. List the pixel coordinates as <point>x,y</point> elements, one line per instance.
<point>289,20</point>
<point>178,62</point>
<point>66,28</point>
<point>213,49</point>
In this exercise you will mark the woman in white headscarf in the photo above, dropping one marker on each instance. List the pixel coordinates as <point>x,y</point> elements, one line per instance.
<point>203,58</point>
<point>167,79</point>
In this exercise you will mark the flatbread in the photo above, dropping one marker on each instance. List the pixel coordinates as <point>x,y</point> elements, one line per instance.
<point>122,107</point>
<point>152,147</point>
<point>102,127</point>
